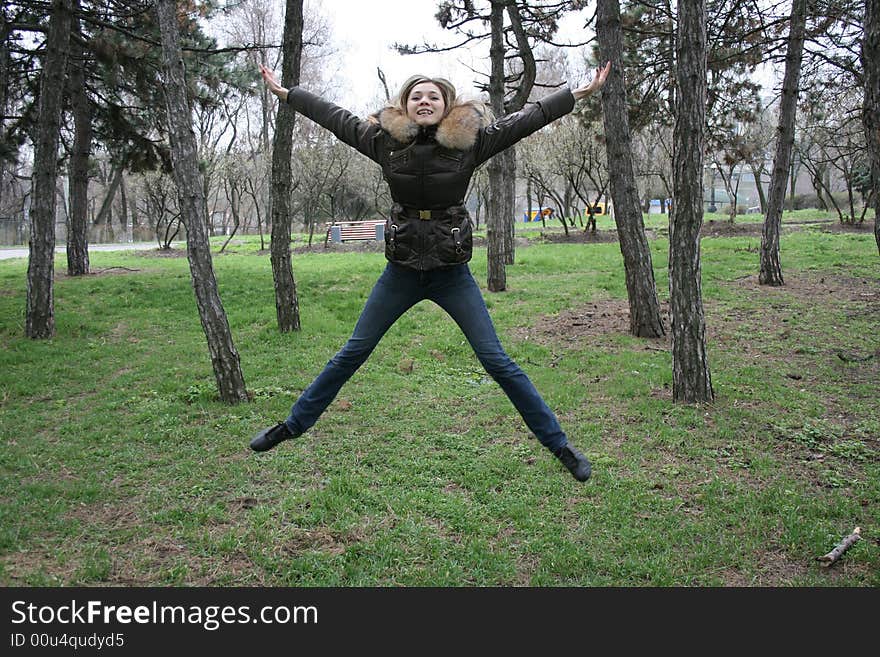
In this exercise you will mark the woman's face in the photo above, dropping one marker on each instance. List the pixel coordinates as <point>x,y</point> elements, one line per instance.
<point>425,105</point>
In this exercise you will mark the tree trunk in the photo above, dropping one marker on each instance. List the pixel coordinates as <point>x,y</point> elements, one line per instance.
<point>5,66</point>
<point>508,199</point>
<point>124,213</point>
<point>691,380</point>
<point>184,158</point>
<point>644,307</point>
<point>508,203</point>
<point>496,273</point>
<point>524,51</point>
<point>758,174</point>
<point>871,109</point>
<point>40,316</point>
<point>771,268</point>
<point>105,214</point>
<point>78,226</point>
<point>286,300</point>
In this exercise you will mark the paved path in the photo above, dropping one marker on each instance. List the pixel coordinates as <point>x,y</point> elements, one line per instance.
<point>6,253</point>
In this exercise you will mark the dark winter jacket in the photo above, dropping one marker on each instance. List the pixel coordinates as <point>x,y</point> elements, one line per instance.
<point>428,169</point>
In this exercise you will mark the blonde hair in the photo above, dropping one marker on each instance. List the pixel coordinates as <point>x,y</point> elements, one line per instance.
<point>447,90</point>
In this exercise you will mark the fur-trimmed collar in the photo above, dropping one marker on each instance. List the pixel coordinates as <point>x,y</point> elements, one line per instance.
<point>457,131</point>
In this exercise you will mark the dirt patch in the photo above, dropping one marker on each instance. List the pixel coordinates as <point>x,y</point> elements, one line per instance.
<point>865,227</point>
<point>820,288</point>
<point>18,566</point>
<point>115,516</point>
<point>597,318</point>
<point>772,568</point>
<point>709,228</point>
<point>161,253</point>
<point>611,316</point>
<point>362,246</point>
<point>578,236</point>
<point>320,539</point>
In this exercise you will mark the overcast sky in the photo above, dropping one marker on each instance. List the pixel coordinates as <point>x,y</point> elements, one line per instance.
<point>365,29</point>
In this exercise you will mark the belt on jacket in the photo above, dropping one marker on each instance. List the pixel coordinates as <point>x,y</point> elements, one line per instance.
<point>414,213</point>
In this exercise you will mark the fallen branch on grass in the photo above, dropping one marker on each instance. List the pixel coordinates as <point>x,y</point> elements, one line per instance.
<point>852,358</point>
<point>831,558</point>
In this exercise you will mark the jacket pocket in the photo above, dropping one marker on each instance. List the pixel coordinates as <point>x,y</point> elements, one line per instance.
<point>448,160</point>
<point>455,240</point>
<point>398,160</point>
<point>398,236</point>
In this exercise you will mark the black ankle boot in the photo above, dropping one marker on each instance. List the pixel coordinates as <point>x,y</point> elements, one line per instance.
<point>577,463</point>
<point>268,438</point>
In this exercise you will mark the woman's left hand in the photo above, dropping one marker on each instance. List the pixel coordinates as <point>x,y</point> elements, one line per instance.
<point>595,84</point>
<point>272,83</point>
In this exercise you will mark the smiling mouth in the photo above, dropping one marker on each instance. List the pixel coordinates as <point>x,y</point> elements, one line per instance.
<point>424,112</point>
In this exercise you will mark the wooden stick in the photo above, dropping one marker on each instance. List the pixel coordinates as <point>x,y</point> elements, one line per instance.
<point>831,558</point>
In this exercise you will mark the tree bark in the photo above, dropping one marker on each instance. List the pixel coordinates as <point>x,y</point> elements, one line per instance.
<point>691,380</point>
<point>871,109</point>
<point>286,299</point>
<point>516,103</point>
<point>5,66</point>
<point>193,208</point>
<point>771,268</point>
<point>78,225</point>
<point>757,173</point>
<point>40,315</point>
<point>104,216</point>
<point>507,210</point>
<point>644,307</point>
<point>496,257</point>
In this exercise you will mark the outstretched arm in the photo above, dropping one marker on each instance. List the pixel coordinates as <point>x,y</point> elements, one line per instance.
<point>509,129</point>
<point>361,135</point>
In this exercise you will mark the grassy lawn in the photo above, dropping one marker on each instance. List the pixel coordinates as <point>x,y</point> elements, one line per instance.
<point>120,467</point>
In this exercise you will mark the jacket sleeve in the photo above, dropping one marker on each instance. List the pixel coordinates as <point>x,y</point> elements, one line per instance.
<point>509,129</point>
<point>361,135</point>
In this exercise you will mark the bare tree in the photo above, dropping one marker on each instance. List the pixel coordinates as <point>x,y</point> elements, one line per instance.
<point>40,317</point>
<point>542,176</point>
<point>644,307</point>
<point>191,197</point>
<point>691,380</point>
<point>771,268</point>
<point>160,207</point>
<point>653,158</point>
<point>871,109</point>
<point>580,158</point>
<point>759,137</point>
<point>836,154</point>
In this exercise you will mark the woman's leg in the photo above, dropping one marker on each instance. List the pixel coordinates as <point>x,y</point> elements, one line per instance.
<point>392,295</point>
<point>459,295</point>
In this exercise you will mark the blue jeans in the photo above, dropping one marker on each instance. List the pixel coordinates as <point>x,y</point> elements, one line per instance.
<point>455,290</point>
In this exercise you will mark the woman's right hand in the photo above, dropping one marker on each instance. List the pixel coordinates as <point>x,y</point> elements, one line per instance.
<point>272,83</point>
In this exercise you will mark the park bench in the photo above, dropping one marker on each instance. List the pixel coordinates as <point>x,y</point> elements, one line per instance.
<point>354,230</point>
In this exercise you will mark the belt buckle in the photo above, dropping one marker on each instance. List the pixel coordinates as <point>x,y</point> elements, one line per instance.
<point>424,214</point>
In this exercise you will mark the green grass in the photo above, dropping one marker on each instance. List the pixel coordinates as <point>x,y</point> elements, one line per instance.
<point>119,466</point>
<point>660,222</point>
